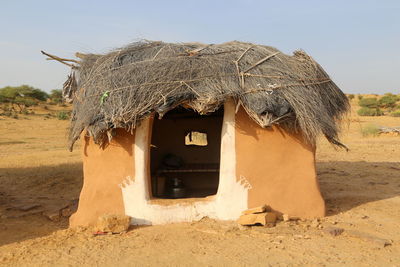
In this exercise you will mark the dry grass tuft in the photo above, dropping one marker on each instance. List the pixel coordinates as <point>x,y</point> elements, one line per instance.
<point>370,130</point>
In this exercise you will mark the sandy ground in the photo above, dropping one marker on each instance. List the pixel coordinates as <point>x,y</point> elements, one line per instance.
<point>39,176</point>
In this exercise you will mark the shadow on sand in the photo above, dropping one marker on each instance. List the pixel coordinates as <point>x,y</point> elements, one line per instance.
<point>346,185</point>
<point>28,194</point>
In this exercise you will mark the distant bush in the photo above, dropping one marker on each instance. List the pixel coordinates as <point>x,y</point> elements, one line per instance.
<point>370,102</point>
<point>365,111</point>
<point>395,113</point>
<point>350,96</point>
<point>56,96</point>
<point>10,92</point>
<point>62,115</point>
<point>370,130</point>
<point>388,101</point>
<point>360,97</point>
<point>22,96</point>
<point>393,95</point>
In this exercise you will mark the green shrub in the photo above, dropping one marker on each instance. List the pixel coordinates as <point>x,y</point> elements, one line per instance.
<point>22,96</point>
<point>395,113</point>
<point>388,101</point>
<point>9,93</point>
<point>360,97</point>
<point>350,96</point>
<point>370,102</point>
<point>56,96</point>
<point>364,111</point>
<point>393,95</point>
<point>62,115</point>
<point>370,130</point>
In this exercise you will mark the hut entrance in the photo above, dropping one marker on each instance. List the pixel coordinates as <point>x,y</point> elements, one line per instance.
<point>185,154</point>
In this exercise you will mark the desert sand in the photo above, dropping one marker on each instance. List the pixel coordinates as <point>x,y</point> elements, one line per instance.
<point>38,177</point>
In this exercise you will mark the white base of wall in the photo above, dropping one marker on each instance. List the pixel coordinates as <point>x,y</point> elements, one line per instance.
<point>225,206</point>
<point>229,202</point>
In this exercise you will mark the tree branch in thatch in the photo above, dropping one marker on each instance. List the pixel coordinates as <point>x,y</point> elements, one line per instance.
<point>260,62</point>
<point>61,60</point>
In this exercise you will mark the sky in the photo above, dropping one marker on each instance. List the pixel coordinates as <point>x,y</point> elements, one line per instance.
<point>356,41</point>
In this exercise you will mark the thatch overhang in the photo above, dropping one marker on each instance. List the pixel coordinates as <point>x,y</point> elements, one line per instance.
<point>121,88</point>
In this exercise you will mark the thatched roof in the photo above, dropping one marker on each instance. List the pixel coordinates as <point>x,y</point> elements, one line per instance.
<point>121,88</point>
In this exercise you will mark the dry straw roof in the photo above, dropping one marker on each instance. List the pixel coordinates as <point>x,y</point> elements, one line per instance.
<point>121,88</point>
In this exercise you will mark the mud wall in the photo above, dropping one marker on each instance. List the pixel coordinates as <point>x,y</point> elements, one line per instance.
<point>104,170</point>
<point>280,168</point>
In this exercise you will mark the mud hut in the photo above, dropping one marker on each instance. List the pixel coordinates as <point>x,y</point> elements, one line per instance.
<point>176,132</point>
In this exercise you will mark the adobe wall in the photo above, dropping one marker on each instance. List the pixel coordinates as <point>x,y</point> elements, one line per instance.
<point>279,167</point>
<point>104,170</point>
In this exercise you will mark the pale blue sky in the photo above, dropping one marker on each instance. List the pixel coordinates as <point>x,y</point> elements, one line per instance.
<point>356,41</point>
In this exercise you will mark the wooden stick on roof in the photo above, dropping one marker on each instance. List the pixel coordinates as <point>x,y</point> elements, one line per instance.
<point>61,60</point>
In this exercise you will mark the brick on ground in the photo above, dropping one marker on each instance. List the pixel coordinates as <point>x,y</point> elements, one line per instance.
<point>257,218</point>
<point>259,209</point>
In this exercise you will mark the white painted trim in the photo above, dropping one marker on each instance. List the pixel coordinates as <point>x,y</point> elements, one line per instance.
<point>141,148</point>
<point>230,200</point>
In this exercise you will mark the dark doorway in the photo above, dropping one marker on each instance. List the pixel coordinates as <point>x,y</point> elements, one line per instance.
<point>185,154</point>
